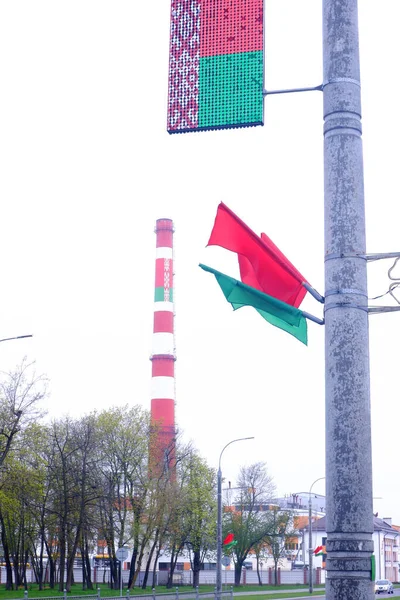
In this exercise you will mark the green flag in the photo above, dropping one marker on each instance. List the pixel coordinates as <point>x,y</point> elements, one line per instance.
<point>274,311</point>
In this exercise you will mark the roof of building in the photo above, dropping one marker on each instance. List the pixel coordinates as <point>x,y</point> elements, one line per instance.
<point>300,521</point>
<point>379,525</point>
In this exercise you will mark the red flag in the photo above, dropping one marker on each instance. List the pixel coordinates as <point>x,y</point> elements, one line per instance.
<point>228,539</point>
<point>262,265</point>
<point>318,550</point>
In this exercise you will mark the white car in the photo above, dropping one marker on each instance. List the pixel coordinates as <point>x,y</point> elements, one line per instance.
<point>383,586</point>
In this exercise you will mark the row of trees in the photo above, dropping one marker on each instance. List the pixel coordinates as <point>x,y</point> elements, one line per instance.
<point>68,485</point>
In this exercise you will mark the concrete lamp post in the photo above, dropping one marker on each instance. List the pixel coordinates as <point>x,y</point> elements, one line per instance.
<point>219,518</point>
<point>310,544</point>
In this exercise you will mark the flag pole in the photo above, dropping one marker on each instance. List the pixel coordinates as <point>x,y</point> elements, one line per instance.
<point>313,292</point>
<point>310,317</point>
<point>348,451</point>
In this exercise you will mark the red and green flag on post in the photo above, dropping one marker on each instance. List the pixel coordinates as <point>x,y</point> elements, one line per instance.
<point>229,542</point>
<point>262,265</point>
<point>319,551</point>
<point>269,282</point>
<point>274,311</point>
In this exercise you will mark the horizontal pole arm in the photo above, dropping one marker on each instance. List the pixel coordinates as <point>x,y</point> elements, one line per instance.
<point>313,292</point>
<point>294,90</point>
<point>307,315</point>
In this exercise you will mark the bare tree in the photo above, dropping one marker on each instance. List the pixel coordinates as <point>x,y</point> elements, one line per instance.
<point>281,530</point>
<point>20,393</point>
<point>248,519</point>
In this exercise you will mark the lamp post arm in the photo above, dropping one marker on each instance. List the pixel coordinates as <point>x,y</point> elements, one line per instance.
<point>219,517</point>
<point>311,487</point>
<point>18,337</point>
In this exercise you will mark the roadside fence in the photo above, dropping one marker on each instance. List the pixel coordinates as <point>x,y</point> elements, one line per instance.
<point>176,595</point>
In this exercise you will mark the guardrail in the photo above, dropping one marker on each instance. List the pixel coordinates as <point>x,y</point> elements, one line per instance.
<point>195,595</point>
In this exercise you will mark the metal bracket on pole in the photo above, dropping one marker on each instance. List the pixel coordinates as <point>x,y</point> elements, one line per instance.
<point>313,292</point>
<point>369,309</point>
<point>345,291</point>
<point>345,305</point>
<point>382,309</point>
<point>307,315</point>
<point>381,255</point>
<point>368,257</point>
<point>318,88</point>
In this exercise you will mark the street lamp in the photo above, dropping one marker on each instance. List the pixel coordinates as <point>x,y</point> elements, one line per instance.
<point>18,337</point>
<point>310,548</point>
<point>219,518</point>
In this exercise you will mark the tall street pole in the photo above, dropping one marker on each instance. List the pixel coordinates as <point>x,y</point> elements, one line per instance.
<point>219,519</point>
<point>310,544</point>
<point>310,547</point>
<point>347,381</point>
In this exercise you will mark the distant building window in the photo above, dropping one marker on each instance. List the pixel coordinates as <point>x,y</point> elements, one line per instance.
<point>162,566</point>
<point>291,546</point>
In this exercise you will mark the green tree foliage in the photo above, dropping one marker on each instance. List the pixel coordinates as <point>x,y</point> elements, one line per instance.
<point>21,391</point>
<point>71,485</point>
<point>201,514</point>
<point>123,434</point>
<point>245,515</point>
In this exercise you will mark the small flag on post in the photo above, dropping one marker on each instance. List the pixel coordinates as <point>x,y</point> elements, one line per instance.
<point>319,551</point>
<point>229,541</point>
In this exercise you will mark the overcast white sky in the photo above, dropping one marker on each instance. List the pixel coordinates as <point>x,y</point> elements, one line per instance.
<point>86,169</point>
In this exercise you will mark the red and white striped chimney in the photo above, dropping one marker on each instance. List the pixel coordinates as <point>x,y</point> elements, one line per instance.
<point>163,353</point>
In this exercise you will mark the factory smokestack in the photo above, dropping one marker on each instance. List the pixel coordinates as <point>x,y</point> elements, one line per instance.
<point>162,448</point>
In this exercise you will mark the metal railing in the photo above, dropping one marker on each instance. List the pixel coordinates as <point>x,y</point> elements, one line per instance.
<point>176,595</point>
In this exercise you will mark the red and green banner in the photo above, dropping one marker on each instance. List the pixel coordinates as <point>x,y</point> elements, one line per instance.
<point>216,65</point>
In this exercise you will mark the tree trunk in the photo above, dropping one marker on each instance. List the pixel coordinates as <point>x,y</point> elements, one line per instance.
<point>147,570</point>
<point>238,573</point>
<point>138,566</point>
<point>71,558</point>
<point>171,570</point>
<point>40,567</point>
<point>132,568</point>
<point>114,577</point>
<point>155,567</point>
<point>196,568</point>
<point>258,571</point>
<point>174,559</point>
<point>9,580</point>
<point>62,560</point>
<point>24,569</point>
<point>86,560</point>
<point>50,566</point>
